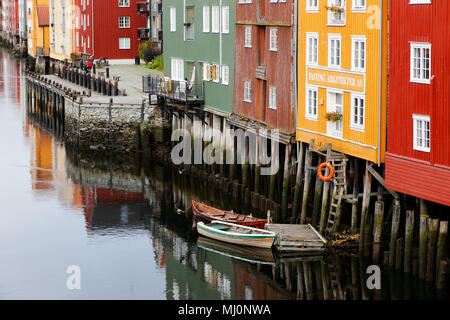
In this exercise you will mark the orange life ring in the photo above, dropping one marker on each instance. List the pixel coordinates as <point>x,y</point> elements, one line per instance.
<point>319,171</point>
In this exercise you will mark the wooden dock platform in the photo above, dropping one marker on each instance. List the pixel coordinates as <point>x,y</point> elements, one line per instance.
<point>297,238</point>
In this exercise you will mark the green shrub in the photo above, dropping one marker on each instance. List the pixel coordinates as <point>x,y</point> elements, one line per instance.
<point>157,63</point>
<point>149,50</point>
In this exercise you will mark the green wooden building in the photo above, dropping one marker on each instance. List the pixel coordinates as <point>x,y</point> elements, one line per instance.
<point>199,46</point>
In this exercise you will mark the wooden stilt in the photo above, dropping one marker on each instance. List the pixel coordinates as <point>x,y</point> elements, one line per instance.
<point>394,233</point>
<point>300,281</point>
<point>441,276</point>
<point>298,183</point>
<point>365,207</point>
<point>285,190</point>
<point>433,225</point>
<point>306,186</point>
<point>354,223</point>
<point>423,234</point>
<point>317,198</point>
<point>441,246</point>
<point>399,253</point>
<point>379,213</point>
<point>409,233</point>
<point>325,197</point>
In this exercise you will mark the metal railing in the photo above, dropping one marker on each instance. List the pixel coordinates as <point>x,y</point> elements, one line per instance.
<point>177,90</point>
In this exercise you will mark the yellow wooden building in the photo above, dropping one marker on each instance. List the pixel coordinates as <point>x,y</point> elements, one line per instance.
<point>38,27</point>
<point>342,75</point>
<point>62,26</point>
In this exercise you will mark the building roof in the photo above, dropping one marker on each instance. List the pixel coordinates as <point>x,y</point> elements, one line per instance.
<point>43,16</point>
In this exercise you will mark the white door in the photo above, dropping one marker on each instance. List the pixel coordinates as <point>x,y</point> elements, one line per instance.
<point>177,69</point>
<point>335,103</point>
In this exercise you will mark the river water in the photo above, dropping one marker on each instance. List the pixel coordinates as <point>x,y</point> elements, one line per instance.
<point>113,225</point>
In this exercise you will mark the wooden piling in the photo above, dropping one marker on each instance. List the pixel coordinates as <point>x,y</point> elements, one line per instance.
<point>423,234</point>
<point>298,183</point>
<point>325,197</point>
<point>285,189</point>
<point>399,253</point>
<point>365,207</point>
<point>354,221</point>
<point>441,245</point>
<point>433,225</point>
<point>441,276</point>
<point>409,233</point>
<point>394,233</point>
<point>306,187</point>
<point>377,230</point>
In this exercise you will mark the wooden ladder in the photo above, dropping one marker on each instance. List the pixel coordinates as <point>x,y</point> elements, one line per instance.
<point>339,163</point>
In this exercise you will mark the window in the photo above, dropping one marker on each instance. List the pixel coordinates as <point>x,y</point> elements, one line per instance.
<point>124,43</point>
<point>225,75</point>
<point>206,72</point>
<point>422,138</point>
<point>215,19</point>
<point>273,39</point>
<point>359,53</point>
<point>311,103</point>
<point>312,49</point>
<point>124,22</point>
<point>215,73</point>
<point>206,19</point>
<point>419,1</point>
<point>189,25</point>
<point>273,98</point>
<point>358,112</point>
<point>248,37</point>
<point>421,62</point>
<point>173,19</point>
<point>335,102</point>
<point>124,3</point>
<point>225,19</point>
<point>244,1</point>
<point>359,6</point>
<point>312,5</point>
<point>336,17</point>
<point>334,51</point>
<point>247,91</point>
<point>177,66</point>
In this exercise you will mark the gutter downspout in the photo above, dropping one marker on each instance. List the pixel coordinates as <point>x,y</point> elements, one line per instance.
<point>295,48</point>
<point>380,82</point>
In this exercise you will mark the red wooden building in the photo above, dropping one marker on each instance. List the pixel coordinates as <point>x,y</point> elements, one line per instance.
<point>11,18</point>
<point>109,29</point>
<point>418,158</point>
<point>264,82</point>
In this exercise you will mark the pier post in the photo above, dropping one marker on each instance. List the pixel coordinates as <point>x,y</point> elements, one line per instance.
<point>365,208</point>
<point>285,190</point>
<point>377,232</point>
<point>298,182</point>
<point>354,221</point>
<point>431,254</point>
<point>325,197</point>
<point>441,246</point>
<point>409,234</point>
<point>394,233</point>
<point>423,234</point>
<point>306,187</point>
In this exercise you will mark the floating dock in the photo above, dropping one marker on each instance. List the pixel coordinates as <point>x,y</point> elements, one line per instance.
<point>297,238</point>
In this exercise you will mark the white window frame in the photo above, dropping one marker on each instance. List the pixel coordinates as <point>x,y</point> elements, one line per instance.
<point>312,6</point>
<point>273,39</point>
<point>225,23</point>
<point>124,3</point>
<point>334,37</point>
<point>206,19</point>
<point>330,21</point>
<point>423,119</point>
<point>359,5</point>
<point>206,71</point>
<point>419,1</point>
<point>359,39</point>
<point>179,75</point>
<point>357,125</point>
<point>312,36</point>
<point>215,19</point>
<point>311,115</point>
<point>225,75</point>
<point>273,97</point>
<point>247,91</point>
<point>121,43</point>
<point>124,22</point>
<point>248,37</point>
<point>421,46</point>
<point>173,19</point>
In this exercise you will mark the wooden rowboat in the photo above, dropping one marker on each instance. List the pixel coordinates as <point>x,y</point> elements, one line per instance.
<point>211,214</point>
<point>237,234</point>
